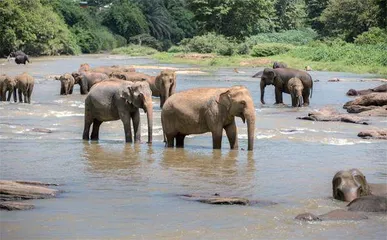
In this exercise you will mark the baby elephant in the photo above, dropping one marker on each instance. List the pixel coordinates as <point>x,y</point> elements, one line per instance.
<point>67,84</point>
<point>25,85</point>
<point>296,87</point>
<point>7,84</point>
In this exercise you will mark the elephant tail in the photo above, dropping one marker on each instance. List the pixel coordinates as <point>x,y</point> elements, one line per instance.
<point>311,90</point>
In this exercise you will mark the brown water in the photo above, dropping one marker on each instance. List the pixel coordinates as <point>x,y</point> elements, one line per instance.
<point>114,190</point>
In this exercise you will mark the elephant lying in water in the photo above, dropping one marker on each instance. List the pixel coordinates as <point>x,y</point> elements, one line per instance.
<point>117,99</point>
<point>204,110</point>
<point>351,186</point>
<point>381,88</point>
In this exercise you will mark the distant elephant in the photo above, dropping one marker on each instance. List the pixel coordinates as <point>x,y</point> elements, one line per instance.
<point>117,99</point>
<point>110,69</point>
<point>279,65</point>
<point>87,79</point>
<point>204,110</point>
<point>21,59</point>
<point>163,85</point>
<point>279,77</point>
<point>351,184</point>
<point>25,85</point>
<point>67,84</point>
<point>381,88</point>
<point>7,84</point>
<point>295,88</point>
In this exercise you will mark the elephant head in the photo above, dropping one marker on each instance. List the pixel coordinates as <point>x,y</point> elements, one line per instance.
<point>279,65</point>
<point>66,80</point>
<point>349,185</point>
<point>166,83</point>
<point>119,75</point>
<point>239,103</point>
<point>352,92</point>
<point>267,78</point>
<point>139,95</point>
<point>84,67</point>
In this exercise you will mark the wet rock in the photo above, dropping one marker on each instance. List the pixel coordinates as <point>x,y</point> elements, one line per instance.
<point>373,134</point>
<point>334,80</point>
<point>316,80</point>
<point>372,99</point>
<point>41,130</point>
<point>369,203</point>
<point>11,191</point>
<point>218,200</point>
<point>330,115</point>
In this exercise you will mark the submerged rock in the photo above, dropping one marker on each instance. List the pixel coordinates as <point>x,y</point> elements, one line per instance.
<point>41,130</point>
<point>372,99</point>
<point>373,134</point>
<point>330,115</point>
<point>218,200</point>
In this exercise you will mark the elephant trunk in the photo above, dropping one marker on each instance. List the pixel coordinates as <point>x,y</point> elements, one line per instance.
<point>149,114</point>
<point>299,104</point>
<point>263,85</point>
<point>164,98</point>
<point>250,118</point>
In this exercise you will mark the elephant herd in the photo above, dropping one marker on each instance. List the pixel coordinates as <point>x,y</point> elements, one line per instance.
<point>23,84</point>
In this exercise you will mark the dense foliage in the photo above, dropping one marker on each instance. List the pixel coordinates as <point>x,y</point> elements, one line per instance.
<point>255,27</point>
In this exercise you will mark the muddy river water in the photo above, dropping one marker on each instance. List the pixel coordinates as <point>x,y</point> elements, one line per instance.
<point>114,190</point>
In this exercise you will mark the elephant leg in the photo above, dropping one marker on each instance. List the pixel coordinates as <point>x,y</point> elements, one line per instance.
<point>71,89</point>
<point>95,132</point>
<point>305,96</point>
<point>162,101</point>
<point>180,140</point>
<point>170,140</point>
<point>232,135</point>
<point>136,125</point>
<point>25,96</point>
<point>14,95</point>
<point>125,118</point>
<point>294,101</point>
<point>217,139</point>
<point>20,95</point>
<point>62,90</point>
<point>87,125</point>
<point>278,96</point>
<point>9,95</point>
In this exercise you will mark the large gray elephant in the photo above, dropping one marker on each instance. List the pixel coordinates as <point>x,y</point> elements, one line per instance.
<point>295,88</point>
<point>117,99</point>
<point>204,110</point>
<point>279,77</point>
<point>7,84</point>
<point>66,84</point>
<point>163,85</point>
<point>20,57</point>
<point>25,85</point>
<point>87,79</point>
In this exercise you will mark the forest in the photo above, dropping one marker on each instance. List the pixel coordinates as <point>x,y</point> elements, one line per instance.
<point>351,31</point>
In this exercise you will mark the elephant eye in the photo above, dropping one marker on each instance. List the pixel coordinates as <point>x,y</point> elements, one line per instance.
<point>243,102</point>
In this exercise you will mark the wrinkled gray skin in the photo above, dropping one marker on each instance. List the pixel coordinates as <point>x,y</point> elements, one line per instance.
<point>7,84</point>
<point>87,79</point>
<point>117,99</point>
<point>25,85</point>
<point>22,59</point>
<point>351,186</point>
<point>66,84</point>
<point>204,110</point>
<point>381,88</point>
<point>295,88</point>
<point>279,65</point>
<point>279,77</point>
<point>163,85</point>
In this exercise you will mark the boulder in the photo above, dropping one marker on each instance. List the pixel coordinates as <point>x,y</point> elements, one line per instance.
<point>373,134</point>
<point>330,115</point>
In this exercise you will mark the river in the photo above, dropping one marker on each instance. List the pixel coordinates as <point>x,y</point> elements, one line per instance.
<point>113,190</point>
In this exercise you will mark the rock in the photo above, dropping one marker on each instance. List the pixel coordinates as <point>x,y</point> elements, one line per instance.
<point>316,80</point>
<point>334,80</point>
<point>11,191</point>
<point>373,134</point>
<point>330,115</point>
<point>372,99</point>
<point>10,206</point>
<point>218,200</point>
<point>41,130</point>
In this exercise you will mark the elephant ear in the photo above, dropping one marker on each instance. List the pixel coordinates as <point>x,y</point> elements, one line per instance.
<point>224,99</point>
<point>127,94</point>
<point>360,179</point>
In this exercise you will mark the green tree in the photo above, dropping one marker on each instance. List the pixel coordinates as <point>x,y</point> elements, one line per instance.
<point>314,8</point>
<point>126,19</point>
<point>232,18</point>
<point>290,14</point>
<point>348,18</point>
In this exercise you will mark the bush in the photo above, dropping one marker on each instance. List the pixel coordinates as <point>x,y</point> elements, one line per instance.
<point>372,36</point>
<point>209,43</point>
<point>177,49</point>
<point>135,50</point>
<point>295,37</point>
<point>270,49</point>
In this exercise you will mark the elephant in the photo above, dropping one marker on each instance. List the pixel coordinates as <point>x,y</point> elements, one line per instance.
<point>204,110</point>
<point>110,69</point>
<point>67,84</point>
<point>117,99</point>
<point>295,88</point>
<point>7,84</point>
<point>351,184</point>
<point>87,79</point>
<point>279,65</point>
<point>25,85</point>
<point>163,85</point>
<point>279,77</point>
<point>353,92</point>
<point>22,59</point>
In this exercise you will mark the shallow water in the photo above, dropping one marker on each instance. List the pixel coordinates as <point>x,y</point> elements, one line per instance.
<point>124,191</point>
